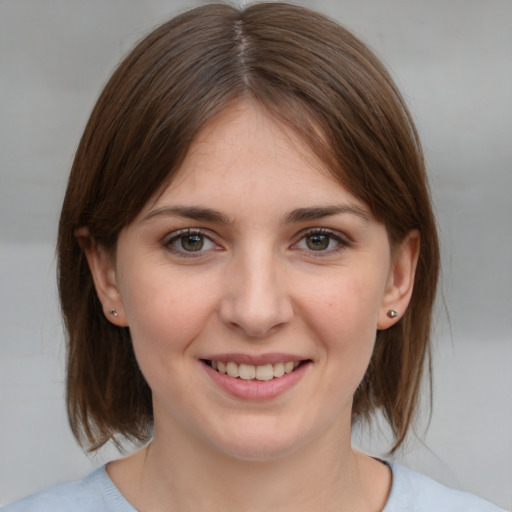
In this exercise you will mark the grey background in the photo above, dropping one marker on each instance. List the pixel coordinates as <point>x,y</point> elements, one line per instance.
<point>453,61</point>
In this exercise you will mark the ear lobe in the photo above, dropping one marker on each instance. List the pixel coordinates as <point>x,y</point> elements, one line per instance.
<point>103,273</point>
<point>400,281</point>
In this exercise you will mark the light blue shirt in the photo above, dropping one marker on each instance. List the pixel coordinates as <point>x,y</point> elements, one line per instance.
<point>410,492</point>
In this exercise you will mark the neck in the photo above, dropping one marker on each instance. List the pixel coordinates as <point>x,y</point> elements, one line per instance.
<point>325,475</point>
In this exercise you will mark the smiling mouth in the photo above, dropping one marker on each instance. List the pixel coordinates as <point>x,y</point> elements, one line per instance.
<point>251,372</point>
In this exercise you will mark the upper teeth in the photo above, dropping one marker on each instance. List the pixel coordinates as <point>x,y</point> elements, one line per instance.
<point>249,371</point>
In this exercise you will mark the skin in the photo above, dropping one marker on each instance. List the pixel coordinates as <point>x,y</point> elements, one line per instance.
<point>264,281</point>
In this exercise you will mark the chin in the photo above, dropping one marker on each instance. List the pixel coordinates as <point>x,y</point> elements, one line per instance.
<point>259,443</point>
<point>257,451</point>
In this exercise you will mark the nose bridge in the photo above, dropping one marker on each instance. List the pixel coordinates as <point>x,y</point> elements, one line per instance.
<point>257,300</point>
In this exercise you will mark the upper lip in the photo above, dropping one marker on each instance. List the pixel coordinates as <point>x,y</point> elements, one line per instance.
<point>256,360</point>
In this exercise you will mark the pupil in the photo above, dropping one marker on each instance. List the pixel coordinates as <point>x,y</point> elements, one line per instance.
<point>318,242</point>
<point>192,242</point>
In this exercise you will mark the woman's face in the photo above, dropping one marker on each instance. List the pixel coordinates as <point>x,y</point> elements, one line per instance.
<point>256,263</point>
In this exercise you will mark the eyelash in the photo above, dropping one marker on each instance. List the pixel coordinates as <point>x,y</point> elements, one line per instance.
<point>342,242</point>
<point>182,234</point>
<point>175,237</point>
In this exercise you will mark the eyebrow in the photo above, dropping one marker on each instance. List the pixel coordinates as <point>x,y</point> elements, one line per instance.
<point>189,212</point>
<point>297,215</point>
<point>319,212</point>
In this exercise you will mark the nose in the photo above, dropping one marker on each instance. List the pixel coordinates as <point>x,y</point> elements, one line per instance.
<point>256,301</point>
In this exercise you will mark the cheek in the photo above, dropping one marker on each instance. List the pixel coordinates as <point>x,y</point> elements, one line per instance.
<point>343,317</point>
<point>166,311</point>
<point>345,302</point>
<point>165,315</point>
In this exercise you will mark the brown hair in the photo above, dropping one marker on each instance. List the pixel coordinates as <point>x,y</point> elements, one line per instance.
<point>312,75</point>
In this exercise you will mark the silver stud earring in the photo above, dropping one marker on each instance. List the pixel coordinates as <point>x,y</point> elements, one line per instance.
<point>392,313</point>
<point>113,312</point>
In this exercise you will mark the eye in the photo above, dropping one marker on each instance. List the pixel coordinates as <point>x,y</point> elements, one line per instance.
<point>321,240</point>
<point>318,242</point>
<point>186,242</point>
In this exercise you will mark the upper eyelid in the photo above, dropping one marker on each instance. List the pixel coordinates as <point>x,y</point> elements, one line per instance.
<point>188,231</point>
<point>168,239</point>
<point>324,231</point>
<point>343,243</point>
<point>212,235</point>
<point>343,238</point>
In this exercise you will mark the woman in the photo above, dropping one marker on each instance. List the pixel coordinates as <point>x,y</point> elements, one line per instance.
<point>247,265</point>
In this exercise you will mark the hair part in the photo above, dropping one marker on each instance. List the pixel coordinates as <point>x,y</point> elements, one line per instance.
<point>314,77</point>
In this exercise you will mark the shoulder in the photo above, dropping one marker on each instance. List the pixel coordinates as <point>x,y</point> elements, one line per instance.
<point>95,493</point>
<point>414,492</point>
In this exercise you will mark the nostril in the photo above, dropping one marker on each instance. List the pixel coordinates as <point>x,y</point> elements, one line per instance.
<point>257,312</point>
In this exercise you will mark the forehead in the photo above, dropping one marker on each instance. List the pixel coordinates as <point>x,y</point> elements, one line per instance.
<point>247,155</point>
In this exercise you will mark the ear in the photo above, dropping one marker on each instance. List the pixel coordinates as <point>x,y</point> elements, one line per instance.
<point>400,280</point>
<point>102,267</point>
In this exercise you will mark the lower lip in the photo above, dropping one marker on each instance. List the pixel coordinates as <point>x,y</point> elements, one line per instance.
<point>256,389</point>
